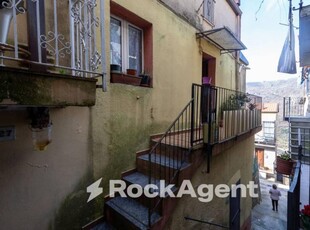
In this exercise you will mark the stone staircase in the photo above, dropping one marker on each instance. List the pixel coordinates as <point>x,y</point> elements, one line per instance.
<point>172,157</point>
<point>134,213</point>
<point>168,165</point>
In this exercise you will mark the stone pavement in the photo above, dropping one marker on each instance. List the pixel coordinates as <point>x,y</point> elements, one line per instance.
<point>263,218</point>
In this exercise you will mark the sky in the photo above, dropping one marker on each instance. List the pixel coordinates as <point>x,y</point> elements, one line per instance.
<point>264,37</point>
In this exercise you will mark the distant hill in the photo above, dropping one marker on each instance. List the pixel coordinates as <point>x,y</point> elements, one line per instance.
<point>273,92</point>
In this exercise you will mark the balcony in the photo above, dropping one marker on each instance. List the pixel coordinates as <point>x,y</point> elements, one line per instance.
<point>50,52</point>
<point>295,111</point>
<point>228,114</point>
<point>268,134</point>
<point>294,108</point>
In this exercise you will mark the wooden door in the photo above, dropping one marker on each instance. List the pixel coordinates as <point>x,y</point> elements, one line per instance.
<point>260,157</point>
<point>234,209</point>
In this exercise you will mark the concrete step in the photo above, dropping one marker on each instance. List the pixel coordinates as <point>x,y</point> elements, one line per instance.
<point>160,203</point>
<point>162,167</point>
<point>171,150</point>
<point>164,161</point>
<point>126,213</point>
<point>143,180</point>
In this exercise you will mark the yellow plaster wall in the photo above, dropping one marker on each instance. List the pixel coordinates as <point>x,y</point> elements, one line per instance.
<point>133,113</point>
<point>228,18</point>
<point>125,115</point>
<point>34,184</point>
<point>226,168</point>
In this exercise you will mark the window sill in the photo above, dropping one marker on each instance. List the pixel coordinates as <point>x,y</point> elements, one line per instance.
<point>122,78</point>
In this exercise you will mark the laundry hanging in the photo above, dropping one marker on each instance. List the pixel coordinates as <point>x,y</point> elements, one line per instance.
<point>287,61</point>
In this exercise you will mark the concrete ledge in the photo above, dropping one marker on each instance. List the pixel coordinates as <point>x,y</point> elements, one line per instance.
<point>28,88</point>
<point>220,147</point>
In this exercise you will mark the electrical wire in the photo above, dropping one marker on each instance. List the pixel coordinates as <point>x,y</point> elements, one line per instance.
<point>259,8</point>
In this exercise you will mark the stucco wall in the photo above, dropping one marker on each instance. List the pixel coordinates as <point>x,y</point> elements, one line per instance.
<point>125,116</point>
<point>226,168</point>
<point>34,184</point>
<point>192,11</point>
<point>269,116</point>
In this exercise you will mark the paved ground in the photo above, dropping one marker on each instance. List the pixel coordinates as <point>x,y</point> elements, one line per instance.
<point>263,218</point>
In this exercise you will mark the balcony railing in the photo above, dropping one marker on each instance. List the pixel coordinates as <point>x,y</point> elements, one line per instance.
<point>267,135</point>
<point>294,107</point>
<point>63,37</point>
<point>212,115</point>
<point>227,113</point>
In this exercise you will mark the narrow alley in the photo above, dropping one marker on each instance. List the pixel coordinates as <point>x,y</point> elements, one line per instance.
<point>263,217</point>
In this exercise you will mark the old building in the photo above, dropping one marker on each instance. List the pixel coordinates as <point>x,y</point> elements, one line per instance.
<point>64,74</point>
<point>265,140</point>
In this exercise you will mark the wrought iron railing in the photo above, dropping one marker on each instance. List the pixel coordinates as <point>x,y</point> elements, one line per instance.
<point>229,113</point>
<point>293,200</point>
<point>176,144</point>
<point>56,36</point>
<point>294,107</point>
<point>212,115</point>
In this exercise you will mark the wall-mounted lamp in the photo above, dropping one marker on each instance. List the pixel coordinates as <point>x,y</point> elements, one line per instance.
<point>41,127</point>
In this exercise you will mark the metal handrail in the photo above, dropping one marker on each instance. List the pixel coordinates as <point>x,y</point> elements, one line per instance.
<point>187,127</point>
<point>208,105</point>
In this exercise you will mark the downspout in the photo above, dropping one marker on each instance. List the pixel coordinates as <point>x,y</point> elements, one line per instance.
<point>237,60</point>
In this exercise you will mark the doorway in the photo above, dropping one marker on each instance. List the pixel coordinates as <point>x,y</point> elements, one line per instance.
<point>260,157</point>
<point>234,212</point>
<point>208,67</point>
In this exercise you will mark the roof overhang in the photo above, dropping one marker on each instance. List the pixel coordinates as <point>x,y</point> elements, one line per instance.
<point>223,38</point>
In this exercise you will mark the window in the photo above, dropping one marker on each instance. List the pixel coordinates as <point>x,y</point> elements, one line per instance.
<point>126,45</point>
<point>268,129</point>
<point>208,10</point>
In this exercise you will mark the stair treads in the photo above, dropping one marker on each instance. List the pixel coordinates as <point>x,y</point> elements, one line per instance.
<point>140,179</point>
<point>143,180</point>
<point>164,161</point>
<point>133,211</point>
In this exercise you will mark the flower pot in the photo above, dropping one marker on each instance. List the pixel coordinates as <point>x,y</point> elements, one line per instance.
<point>206,80</point>
<point>115,68</point>
<point>6,16</point>
<point>145,79</point>
<point>132,72</point>
<point>284,166</point>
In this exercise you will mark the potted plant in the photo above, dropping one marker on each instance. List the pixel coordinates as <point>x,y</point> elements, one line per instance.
<point>284,163</point>
<point>6,15</point>
<point>145,81</point>
<point>115,68</point>
<point>305,217</point>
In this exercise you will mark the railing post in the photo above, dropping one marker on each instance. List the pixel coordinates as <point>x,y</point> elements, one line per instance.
<point>36,28</point>
<point>284,109</point>
<point>209,147</point>
<point>192,115</point>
